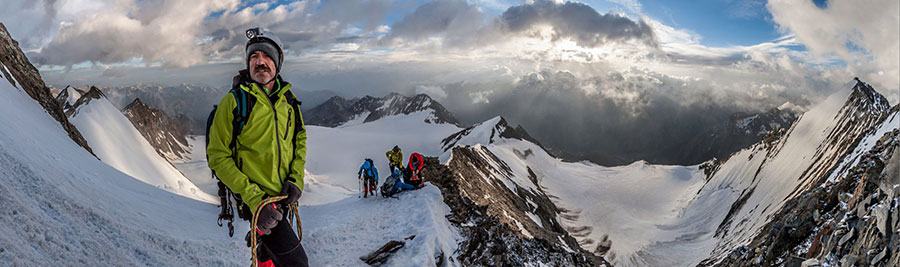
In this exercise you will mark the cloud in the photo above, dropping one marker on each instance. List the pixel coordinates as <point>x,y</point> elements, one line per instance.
<point>449,17</point>
<point>864,34</point>
<point>29,22</point>
<point>166,34</point>
<point>182,33</point>
<point>578,22</point>
<point>456,24</point>
<point>435,92</point>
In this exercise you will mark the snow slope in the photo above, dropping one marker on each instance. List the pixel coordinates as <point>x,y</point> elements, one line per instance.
<point>891,123</point>
<point>117,143</point>
<point>626,203</point>
<point>194,166</point>
<point>337,153</point>
<point>338,233</point>
<point>339,227</point>
<point>62,205</point>
<point>754,184</point>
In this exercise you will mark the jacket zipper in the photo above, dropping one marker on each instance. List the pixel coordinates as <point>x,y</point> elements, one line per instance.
<point>286,129</point>
<point>277,140</point>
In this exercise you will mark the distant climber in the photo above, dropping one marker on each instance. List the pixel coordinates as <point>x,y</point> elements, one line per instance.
<point>393,184</point>
<point>395,158</point>
<point>416,162</point>
<point>258,157</point>
<point>369,176</point>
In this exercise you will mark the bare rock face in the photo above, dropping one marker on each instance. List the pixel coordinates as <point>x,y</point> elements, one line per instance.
<point>491,235</point>
<point>851,222</point>
<point>29,79</point>
<point>166,134</point>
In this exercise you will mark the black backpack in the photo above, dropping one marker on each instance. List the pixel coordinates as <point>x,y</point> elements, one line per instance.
<point>228,199</point>
<point>388,189</point>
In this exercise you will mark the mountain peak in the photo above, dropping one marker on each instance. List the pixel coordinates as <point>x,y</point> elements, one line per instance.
<point>339,111</point>
<point>136,104</point>
<point>93,93</point>
<point>488,132</point>
<point>166,134</point>
<point>866,99</point>
<point>29,80</point>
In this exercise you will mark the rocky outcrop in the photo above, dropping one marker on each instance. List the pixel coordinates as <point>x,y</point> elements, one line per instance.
<point>741,130</point>
<point>853,222</point>
<point>83,100</point>
<point>194,101</point>
<point>847,215</point>
<point>29,79</point>
<point>338,110</point>
<point>493,221</point>
<point>166,134</point>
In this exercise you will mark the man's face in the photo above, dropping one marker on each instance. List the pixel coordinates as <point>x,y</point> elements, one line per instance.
<point>262,67</point>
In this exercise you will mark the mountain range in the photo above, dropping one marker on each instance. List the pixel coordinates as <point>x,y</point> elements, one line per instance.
<point>88,186</point>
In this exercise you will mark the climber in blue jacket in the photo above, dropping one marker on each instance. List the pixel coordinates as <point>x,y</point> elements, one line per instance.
<point>369,174</point>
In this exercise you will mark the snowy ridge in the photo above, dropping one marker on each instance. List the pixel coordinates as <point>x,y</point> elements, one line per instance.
<point>680,218</point>
<point>338,111</point>
<point>870,141</point>
<point>481,133</point>
<point>67,206</point>
<point>610,211</point>
<point>758,181</point>
<point>118,143</point>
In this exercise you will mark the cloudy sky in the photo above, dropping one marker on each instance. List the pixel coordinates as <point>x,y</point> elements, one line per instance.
<point>618,65</point>
<point>434,43</point>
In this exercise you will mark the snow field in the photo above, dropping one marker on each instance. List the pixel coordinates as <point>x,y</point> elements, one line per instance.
<point>626,203</point>
<point>116,142</point>
<point>62,205</point>
<point>339,233</point>
<point>335,154</point>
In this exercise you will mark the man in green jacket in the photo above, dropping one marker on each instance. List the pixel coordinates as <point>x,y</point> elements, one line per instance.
<point>268,156</point>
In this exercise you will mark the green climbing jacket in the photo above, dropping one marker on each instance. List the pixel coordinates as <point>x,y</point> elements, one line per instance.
<point>265,154</point>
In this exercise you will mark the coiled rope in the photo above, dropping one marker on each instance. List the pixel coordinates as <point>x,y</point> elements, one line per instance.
<point>254,240</point>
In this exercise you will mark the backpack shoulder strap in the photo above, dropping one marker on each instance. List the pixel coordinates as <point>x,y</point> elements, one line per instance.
<point>244,103</point>
<point>298,124</point>
<point>295,104</point>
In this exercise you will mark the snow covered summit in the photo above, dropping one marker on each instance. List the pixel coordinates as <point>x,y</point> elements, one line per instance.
<point>339,111</point>
<point>744,193</point>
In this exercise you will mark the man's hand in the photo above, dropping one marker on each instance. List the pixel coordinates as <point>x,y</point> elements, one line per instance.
<point>292,193</point>
<point>268,219</point>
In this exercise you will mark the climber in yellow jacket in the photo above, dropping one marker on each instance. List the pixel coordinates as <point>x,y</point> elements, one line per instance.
<point>395,157</point>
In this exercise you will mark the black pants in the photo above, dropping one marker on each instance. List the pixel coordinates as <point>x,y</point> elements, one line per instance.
<point>393,166</point>
<point>282,246</point>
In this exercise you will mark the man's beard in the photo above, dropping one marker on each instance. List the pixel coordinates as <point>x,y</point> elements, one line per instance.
<point>259,69</point>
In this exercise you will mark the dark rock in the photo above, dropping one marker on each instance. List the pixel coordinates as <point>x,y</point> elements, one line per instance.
<point>381,255</point>
<point>844,222</point>
<point>31,82</point>
<point>339,110</point>
<point>846,237</point>
<point>880,256</point>
<point>488,240</point>
<point>166,134</point>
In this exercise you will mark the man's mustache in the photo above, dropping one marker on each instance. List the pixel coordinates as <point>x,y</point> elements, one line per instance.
<point>262,67</point>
